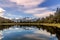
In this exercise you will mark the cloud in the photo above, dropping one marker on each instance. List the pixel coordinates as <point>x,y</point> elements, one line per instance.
<point>35,10</point>
<point>40,12</point>
<point>28,3</point>
<point>6,3</point>
<point>1,35</point>
<point>44,14</point>
<point>2,11</point>
<point>27,7</point>
<point>44,33</point>
<point>11,16</point>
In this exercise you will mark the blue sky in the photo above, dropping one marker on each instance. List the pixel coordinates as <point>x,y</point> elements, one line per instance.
<point>28,8</point>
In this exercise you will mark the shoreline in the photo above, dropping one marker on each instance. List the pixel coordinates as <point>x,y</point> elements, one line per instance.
<point>33,24</point>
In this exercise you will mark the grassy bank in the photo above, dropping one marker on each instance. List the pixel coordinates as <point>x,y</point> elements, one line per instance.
<point>19,23</point>
<point>51,24</point>
<point>32,24</point>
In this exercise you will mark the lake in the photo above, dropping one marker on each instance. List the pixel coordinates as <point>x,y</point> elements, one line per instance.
<point>18,32</point>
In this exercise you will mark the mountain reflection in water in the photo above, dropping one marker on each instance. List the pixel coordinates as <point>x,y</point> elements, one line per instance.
<point>29,33</point>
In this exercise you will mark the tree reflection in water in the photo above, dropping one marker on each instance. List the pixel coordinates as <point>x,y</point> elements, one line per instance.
<point>50,29</point>
<point>5,26</point>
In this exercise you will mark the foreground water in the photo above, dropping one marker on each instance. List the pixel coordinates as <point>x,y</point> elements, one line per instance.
<point>27,33</point>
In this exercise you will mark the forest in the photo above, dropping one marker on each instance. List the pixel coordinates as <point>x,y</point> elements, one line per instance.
<point>49,19</point>
<point>52,18</point>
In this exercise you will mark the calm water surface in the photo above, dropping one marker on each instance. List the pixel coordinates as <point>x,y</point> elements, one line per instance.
<point>27,33</point>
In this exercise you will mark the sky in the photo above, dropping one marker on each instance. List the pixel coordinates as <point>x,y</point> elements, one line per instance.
<point>28,8</point>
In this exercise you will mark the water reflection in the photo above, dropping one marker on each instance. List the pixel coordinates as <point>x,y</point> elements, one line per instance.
<point>4,26</point>
<point>30,33</point>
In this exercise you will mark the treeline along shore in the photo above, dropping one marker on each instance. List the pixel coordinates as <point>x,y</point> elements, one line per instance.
<point>19,23</point>
<point>52,20</point>
<point>33,24</point>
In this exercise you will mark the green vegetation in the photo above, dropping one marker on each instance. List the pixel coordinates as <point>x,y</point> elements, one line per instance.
<point>27,24</point>
<point>33,24</point>
<point>3,20</point>
<point>52,20</point>
<point>49,19</point>
<point>49,24</point>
